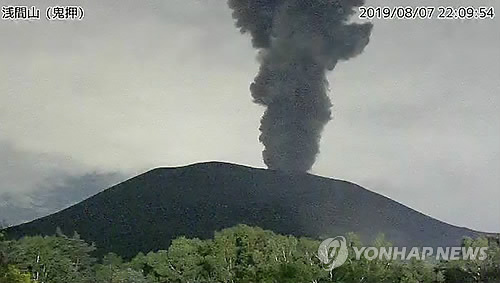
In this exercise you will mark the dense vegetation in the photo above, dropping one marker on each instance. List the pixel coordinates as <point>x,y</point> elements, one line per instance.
<point>239,254</point>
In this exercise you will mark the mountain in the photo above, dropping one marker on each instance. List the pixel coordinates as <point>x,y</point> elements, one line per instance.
<point>146,212</point>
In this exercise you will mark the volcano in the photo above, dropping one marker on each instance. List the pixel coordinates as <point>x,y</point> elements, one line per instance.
<point>146,212</point>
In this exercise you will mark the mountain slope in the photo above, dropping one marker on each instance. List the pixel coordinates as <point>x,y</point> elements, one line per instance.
<point>54,196</point>
<point>146,212</point>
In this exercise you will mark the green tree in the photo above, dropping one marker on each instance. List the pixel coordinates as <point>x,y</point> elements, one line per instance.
<point>186,262</point>
<point>111,264</point>
<point>415,271</point>
<point>9,273</point>
<point>477,268</point>
<point>128,275</point>
<point>54,259</point>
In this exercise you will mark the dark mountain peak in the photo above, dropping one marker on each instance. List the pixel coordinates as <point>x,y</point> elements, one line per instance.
<point>146,212</point>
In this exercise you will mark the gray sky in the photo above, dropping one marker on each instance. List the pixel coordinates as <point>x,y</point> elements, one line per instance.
<point>138,84</point>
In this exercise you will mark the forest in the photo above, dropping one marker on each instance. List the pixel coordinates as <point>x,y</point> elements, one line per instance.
<point>240,254</point>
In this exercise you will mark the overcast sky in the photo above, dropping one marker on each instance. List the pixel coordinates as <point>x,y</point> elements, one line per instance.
<point>143,84</point>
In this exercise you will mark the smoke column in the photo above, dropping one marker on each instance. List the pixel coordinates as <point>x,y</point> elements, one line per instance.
<point>298,42</point>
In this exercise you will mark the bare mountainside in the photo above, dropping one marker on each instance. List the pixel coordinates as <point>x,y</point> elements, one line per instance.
<point>146,212</point>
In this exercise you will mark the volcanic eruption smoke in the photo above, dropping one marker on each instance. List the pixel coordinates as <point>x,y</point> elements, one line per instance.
<point>299,40</point>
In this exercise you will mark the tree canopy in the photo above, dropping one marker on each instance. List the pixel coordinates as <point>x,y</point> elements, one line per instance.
<point>240,254</point>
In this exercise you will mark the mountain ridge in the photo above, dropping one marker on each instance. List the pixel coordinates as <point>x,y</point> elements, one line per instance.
<point>317,176</point>
<point>146,212</point>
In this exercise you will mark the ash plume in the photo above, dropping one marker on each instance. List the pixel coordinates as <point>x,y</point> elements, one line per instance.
<point>298,42</point>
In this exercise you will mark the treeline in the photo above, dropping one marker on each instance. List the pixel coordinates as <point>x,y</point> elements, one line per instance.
<point>236,255</point>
